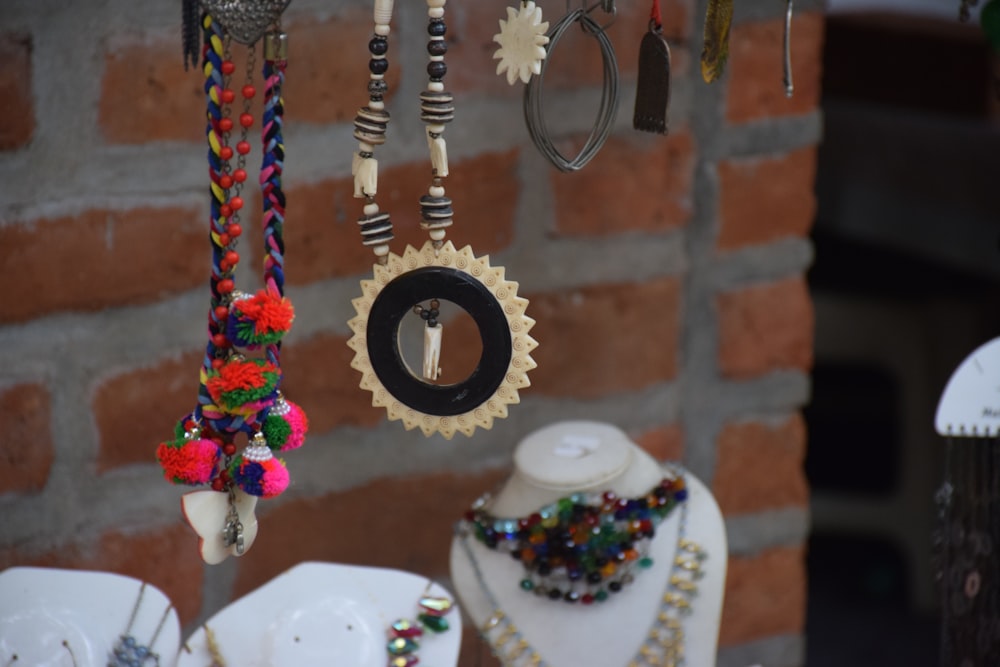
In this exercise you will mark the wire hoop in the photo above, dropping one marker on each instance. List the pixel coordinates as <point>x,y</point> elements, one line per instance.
<point>533,117</point>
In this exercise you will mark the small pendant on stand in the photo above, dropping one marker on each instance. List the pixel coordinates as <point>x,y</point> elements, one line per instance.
<point>652,93</point>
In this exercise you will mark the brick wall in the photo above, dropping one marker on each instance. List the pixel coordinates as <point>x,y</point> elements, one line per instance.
<point>667,279</point>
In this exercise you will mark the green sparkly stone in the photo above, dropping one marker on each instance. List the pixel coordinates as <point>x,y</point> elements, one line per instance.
<point>527,584</point>
<point>435,605</point>
<point>645,562</point>
<point>434,623</point>
<point>601,595</point>
<point>402,646</point>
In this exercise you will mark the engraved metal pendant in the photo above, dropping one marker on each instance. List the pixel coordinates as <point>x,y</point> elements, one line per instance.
<point>246,20</point>
<point>652,90</point>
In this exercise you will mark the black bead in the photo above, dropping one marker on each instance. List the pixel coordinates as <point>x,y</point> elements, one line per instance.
<point>615,586</point>
<point>555,594</point>
<point>378,46</point>
<point>544,569</point>
<point>602,561</point>
<point>594,577</point>
<point>436,69</point>
<point>572,596</point>
<point>437,47</point>
<point>378,65</point>
<point>432,323</point>
<point>436,28</point>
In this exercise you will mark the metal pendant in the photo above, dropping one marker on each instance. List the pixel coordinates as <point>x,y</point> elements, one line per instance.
<point>246,20</point>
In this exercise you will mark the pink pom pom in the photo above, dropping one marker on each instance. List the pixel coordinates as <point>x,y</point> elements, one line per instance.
<point>296,418</point>
<point>275,478</point>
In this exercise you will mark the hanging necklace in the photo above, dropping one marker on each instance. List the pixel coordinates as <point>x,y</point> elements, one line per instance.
<point>417,281</point>
<point>238,393</point>
<point>128,652</point>
<point>664,643</point>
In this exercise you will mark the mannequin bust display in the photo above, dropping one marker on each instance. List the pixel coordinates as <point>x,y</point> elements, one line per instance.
<point>584,457</point>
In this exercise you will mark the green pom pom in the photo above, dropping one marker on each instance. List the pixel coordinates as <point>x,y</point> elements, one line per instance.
<point>276,431</point>
<point>179,430</point>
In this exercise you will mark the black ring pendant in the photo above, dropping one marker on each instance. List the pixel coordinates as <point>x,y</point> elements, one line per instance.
<point>396,300</point>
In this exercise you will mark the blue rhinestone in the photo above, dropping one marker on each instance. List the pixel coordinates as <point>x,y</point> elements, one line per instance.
<point>129,641</point>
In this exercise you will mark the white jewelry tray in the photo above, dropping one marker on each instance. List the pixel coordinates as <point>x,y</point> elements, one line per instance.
<point>58,618</point>
<point>323,614</point>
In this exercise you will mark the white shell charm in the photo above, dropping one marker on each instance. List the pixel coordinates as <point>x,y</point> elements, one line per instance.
<point>522,41</point>
<point>365,172</point>
<point>208,513</point>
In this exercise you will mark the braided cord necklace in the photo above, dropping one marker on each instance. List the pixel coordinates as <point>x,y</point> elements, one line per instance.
<point>417,281</point>
<point>664,643</point>
<point>239,393</point>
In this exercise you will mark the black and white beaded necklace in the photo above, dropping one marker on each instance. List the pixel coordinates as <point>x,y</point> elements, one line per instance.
<point>420,279</point>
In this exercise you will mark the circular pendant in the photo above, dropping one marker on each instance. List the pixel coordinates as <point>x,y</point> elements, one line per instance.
<point>458,276</point>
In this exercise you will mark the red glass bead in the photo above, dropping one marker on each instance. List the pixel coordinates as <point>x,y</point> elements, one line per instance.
<point>249,91</point>
<point>229,449</point>
<point>243,147</point>
<point>224,474</point>
<point>225,266</point>
<point>225,152</point>
<point>226,181</point>
<point>246,120</point>
<point>220,340</point>
<point>225,286</point>
<point>217,440</point>
<point>224,239</point>
<point>234,229</point>
<point>190,424</point>
<point>225,210</point>
<point>218,484</point>
<point>227,95</point>
<point>587,598</point>
<point>228,67</point>
<point>218,363</point>
<point>609,496</point>
<point>225,124</point>
<point>240,175</point>
<point>232,257</point>
<point>236,203</point>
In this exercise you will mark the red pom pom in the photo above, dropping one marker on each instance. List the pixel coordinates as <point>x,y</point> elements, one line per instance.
<point>188,461</point>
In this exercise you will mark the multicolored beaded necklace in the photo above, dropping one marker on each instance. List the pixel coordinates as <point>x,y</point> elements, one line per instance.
<point>238,393</point>
<point>591,541</point>
<point>664,643</point>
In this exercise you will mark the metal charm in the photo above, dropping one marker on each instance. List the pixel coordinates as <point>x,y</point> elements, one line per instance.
<point>652,93</point>
<point>715,50</point>
<point>246,20</point>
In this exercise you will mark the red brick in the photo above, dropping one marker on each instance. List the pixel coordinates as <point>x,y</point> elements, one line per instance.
<point>17,108</point>
<point>148,96</point>
<point>765,596</point>
<point>321,232</point>
<point>755,89</point>
<point>26,450</point>
<point>759,467</point>
<point>764,328</point>
<point>576,60</point>
<point>766,199</point>
<point>165,557</point>
<point>665,443</point>
<point>636,183</point>
<point>318,377</point>
<point>138,409</point>
<point>599,340</point>
<point>404,523</point>
<point>101,258</point>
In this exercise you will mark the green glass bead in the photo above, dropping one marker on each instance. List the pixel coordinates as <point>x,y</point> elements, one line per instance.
<point>645,562</point>
<point>402,646</point>
<point>434,623</point>
<point>527,584</point>
<point>601,595</point>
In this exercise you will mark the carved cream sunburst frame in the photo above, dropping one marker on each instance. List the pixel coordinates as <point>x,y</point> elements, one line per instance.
<point>505,293</point>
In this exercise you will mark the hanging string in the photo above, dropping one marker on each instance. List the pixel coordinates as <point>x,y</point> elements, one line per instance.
<point>271,170</point>
<point>654,15</point>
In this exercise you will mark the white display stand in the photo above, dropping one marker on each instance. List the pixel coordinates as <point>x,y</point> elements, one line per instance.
<point>61,618</point>
<point>323,614</point>
<point>550,464</point>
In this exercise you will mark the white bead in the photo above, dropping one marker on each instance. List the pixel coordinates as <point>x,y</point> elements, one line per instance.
<point>370,209</point>
<point>376,105</point>
<point>436,86</point>
<point>382,30</point>
<point>380,250</point>
<point>438,58</point>
<point>436,191</point>
<point>365,147</point>
<point>436,234</point>
<point>383,12</point>
<point>436,13</point>
<point>436,3</point>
